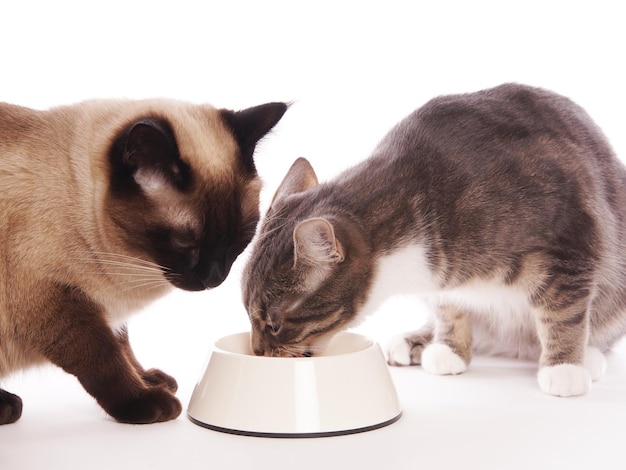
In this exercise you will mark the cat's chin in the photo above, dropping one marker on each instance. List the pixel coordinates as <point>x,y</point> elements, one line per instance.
<point>194,284</point>
<point>189,285</point>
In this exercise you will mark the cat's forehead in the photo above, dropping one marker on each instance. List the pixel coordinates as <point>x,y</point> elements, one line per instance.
<point>203,140</point>
<point>202,137</point>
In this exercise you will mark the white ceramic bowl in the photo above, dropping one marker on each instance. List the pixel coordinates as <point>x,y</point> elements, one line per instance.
<point>346,389</point>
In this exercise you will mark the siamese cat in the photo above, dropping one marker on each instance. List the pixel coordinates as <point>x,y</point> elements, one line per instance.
<point>505,209</point>
<point>104,207</point>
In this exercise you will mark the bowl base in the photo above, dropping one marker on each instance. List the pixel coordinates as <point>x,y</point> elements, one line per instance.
<point>295,435</point>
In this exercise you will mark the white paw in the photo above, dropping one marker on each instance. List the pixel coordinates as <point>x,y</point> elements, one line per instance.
<point>399,352</point>
<point>564,380</point>
<point>595,362</point>
<point>439,359</point>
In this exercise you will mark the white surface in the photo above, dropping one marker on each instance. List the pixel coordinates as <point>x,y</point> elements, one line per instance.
<point>491,417</point>
<point>345,389</point>
<point>352,70</point>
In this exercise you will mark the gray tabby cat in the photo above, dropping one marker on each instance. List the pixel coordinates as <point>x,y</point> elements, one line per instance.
<point>104,207</point>
<point>504,208</point>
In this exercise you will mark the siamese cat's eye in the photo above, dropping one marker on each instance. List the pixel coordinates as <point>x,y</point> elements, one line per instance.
<point>183,242</point>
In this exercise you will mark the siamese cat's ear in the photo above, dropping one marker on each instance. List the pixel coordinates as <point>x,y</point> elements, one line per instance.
<point>299,178</point>
<point>149,156</point>
<point>317,249</point>
<point>250,125</point>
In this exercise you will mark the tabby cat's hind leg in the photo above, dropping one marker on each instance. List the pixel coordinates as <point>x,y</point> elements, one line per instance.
<point>10,407</point>
<point>595,362</point>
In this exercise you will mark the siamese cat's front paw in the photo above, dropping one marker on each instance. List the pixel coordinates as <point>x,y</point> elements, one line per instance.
<point>440,359</point>
<point>10,407</point>
<point>153,405</point>
<point>156,378</point>
<point>564,380</point>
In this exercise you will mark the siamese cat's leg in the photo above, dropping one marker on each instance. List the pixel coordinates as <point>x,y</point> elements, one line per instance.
<point>151,377</point>
<point>79,340</point>
<point>10,407</point>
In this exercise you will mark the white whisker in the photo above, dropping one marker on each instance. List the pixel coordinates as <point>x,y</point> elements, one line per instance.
<point>115,264</point>
<point>135,278</point>
<point>132,273</point>
<point>146,284</point>
<point>138,268</point>
<point>107,257</point>
<point>131,259</point>
<point>275,229</point>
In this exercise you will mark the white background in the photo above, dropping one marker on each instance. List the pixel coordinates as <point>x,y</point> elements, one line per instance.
<point>351,69</point>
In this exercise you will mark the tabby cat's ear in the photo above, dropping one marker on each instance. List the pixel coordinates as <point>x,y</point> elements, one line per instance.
<point>250,125</point>
<point>317,249</point>
<point>299,178</point>
<point>147,153</point>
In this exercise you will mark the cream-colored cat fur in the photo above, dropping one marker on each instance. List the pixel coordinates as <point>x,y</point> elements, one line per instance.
<point>104,207</point>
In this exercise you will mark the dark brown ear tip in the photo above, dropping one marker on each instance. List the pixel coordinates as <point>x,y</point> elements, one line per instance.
<point>270,114</point>
<point>251,125</point>
<point>279,107</point>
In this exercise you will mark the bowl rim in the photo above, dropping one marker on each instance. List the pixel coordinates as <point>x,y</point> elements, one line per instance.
<point>370,344</point>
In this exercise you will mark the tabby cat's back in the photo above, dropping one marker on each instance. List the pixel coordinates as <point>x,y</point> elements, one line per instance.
<point>504,208</point>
